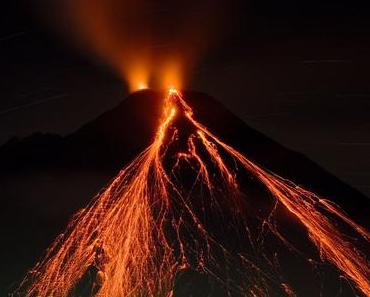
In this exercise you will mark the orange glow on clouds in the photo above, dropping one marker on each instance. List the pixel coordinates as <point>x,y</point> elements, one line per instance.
<point>171,76</point>
<point>136,73</point>
<point>143,40</point>
<point>146,75</point>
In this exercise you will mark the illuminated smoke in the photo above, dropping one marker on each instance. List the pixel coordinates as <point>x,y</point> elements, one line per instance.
<point>150,43</point>
<point>143,230</point>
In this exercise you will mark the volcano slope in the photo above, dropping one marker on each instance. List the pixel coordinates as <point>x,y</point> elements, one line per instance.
<point>190,216</point>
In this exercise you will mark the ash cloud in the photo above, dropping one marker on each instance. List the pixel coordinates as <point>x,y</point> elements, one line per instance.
<point>154,43</point>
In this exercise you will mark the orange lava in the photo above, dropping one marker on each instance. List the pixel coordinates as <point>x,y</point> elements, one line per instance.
<point>123,232</point>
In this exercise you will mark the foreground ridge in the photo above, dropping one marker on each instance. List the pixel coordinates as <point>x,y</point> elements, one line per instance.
<point>144,230</point>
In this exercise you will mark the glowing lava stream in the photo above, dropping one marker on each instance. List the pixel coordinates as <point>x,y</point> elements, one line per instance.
<point>122,233</point>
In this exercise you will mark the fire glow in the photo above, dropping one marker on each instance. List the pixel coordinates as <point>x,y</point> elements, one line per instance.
<point>124,232</point>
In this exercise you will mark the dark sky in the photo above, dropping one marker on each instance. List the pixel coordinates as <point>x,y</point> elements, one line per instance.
<point>298,71</point>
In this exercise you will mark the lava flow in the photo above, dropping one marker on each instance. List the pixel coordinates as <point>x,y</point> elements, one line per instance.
<point>146,228</point>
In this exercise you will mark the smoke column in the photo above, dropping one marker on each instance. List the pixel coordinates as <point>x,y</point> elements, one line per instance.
<point>149,43</point>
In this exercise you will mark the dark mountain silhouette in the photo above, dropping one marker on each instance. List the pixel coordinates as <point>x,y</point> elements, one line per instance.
<point>44,179</point>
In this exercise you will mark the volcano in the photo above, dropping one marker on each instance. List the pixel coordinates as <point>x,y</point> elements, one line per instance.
<point>204,206</point>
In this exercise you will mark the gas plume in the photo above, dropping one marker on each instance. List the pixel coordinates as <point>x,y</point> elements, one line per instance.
<point>150,43</point>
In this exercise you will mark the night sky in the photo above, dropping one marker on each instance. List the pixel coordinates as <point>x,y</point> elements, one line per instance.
<point>297,71</point>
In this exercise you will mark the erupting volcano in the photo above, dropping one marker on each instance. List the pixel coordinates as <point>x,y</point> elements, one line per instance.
<point>181,218</point>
